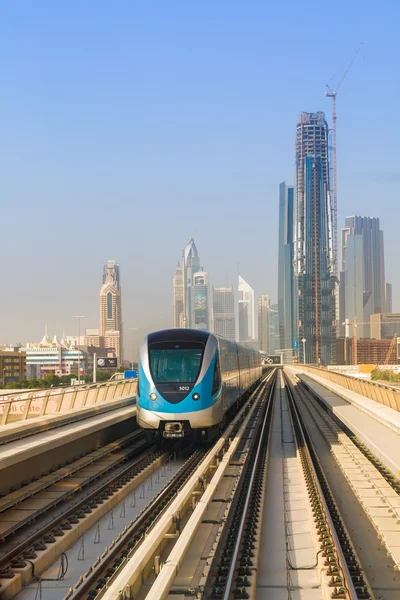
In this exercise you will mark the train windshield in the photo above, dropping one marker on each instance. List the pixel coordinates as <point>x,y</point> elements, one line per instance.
<point>175,362</point>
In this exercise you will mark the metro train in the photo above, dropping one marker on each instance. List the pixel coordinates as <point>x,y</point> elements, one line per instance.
<point>188,380</point>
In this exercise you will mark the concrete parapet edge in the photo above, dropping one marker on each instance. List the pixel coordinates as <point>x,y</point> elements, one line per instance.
<point>35,446</point>
<point>384,414</point>
<point>21,429</point>
<point>360,403</point>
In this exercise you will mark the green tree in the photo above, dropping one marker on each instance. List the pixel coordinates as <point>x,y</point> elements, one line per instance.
<point>33,383</point>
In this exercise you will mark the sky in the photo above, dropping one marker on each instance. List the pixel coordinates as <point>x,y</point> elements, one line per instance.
<point>128,127</point>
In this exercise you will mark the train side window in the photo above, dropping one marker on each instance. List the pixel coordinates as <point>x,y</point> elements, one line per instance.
<point>217,377</point>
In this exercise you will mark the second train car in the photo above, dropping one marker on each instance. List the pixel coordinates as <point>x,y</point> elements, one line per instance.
<point>189,379</point>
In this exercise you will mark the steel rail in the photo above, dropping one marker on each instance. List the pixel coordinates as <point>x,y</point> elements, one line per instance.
<point>163,585</point>
<point>265,429</point>
<point>312,461</point>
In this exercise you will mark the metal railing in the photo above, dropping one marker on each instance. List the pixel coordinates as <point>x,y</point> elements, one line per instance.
<point>379,392</point>
<point>19,407</point>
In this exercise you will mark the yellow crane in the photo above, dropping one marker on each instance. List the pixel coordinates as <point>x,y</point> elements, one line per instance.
<point>355,324</point>
<point>389,352</point>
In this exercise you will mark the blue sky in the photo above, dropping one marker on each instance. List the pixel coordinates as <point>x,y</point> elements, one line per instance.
<point>128,127</point>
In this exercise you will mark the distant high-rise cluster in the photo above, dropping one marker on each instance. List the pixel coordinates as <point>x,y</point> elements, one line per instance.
<point>194,297</point>
<point>315,308</point>
<point>225,311</point>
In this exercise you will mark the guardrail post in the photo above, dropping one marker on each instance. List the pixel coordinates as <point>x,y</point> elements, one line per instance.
<point>27,407</point>
<point>85,397</point>
<point>118,387</point>
<point>97,395</point>
<point>73,398</point>
<point>60,401</point>
<point>45,402</point>
<point>7,408</point>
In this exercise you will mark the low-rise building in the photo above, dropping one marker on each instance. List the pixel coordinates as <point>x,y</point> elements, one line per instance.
<point>12,365</point>
<point>53,356</point>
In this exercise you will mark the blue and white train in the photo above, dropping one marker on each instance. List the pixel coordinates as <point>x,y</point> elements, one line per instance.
<point>188,380</point>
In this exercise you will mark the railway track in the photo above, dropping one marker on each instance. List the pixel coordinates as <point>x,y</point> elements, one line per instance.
<point>129,465</point>
<point>366,492</point>
<point>160,524</point>
<point>234,573</point>
<point>261,512</point>
<point>224,550</point>
<point>35,499</point>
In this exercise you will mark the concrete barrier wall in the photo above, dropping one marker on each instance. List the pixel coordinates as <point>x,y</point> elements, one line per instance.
<point>18,407</point>
<point>370,389</point>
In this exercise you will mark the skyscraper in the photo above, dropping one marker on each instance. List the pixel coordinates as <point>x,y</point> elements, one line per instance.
<point>246,312</point>
<point>287,298</point>
<point>224,312</point>
<point>200,318</point>
<point>362,274</point>
<point>315,283</point>
<point>388,297</point>
<point>262,308</point>
<point>178,297</point>
<point>110,308</point>
<point>190,265</point>
<point>273,341</point>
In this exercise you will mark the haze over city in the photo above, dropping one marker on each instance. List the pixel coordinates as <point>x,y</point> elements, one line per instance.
<point>129,128</point>
<point>200,307</point>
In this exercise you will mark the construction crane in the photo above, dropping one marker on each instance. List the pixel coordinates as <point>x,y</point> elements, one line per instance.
<point>355,323</point>
<point>329,93</point>
<point>389,352</point>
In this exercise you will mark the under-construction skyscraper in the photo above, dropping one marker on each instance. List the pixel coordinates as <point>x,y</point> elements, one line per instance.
<point>315,282</point>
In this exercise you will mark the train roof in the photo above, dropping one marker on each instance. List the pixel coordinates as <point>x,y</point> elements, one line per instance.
<point>183,335</point>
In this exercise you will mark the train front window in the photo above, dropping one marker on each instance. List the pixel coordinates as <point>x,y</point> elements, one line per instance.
<point>176,363</point>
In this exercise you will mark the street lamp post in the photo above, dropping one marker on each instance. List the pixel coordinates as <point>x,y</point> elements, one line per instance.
<point>304,350</point>
<point>79,317</point>
<point>133,329</point>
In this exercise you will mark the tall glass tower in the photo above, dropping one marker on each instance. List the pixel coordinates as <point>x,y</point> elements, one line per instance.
<point>178,296</point>
<point>110,308</point>
<point>287,297</point>
<point>190,266</point>
<point>362,274</point>
<point>246,312</point>
<point>224,323</point>
<point>315,282</point>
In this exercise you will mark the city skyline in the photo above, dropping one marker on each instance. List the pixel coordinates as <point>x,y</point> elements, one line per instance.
<point>201,156</point>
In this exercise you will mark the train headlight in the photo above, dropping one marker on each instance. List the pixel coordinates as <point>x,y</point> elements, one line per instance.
<point>153,396</point>
<point>196,396</point>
